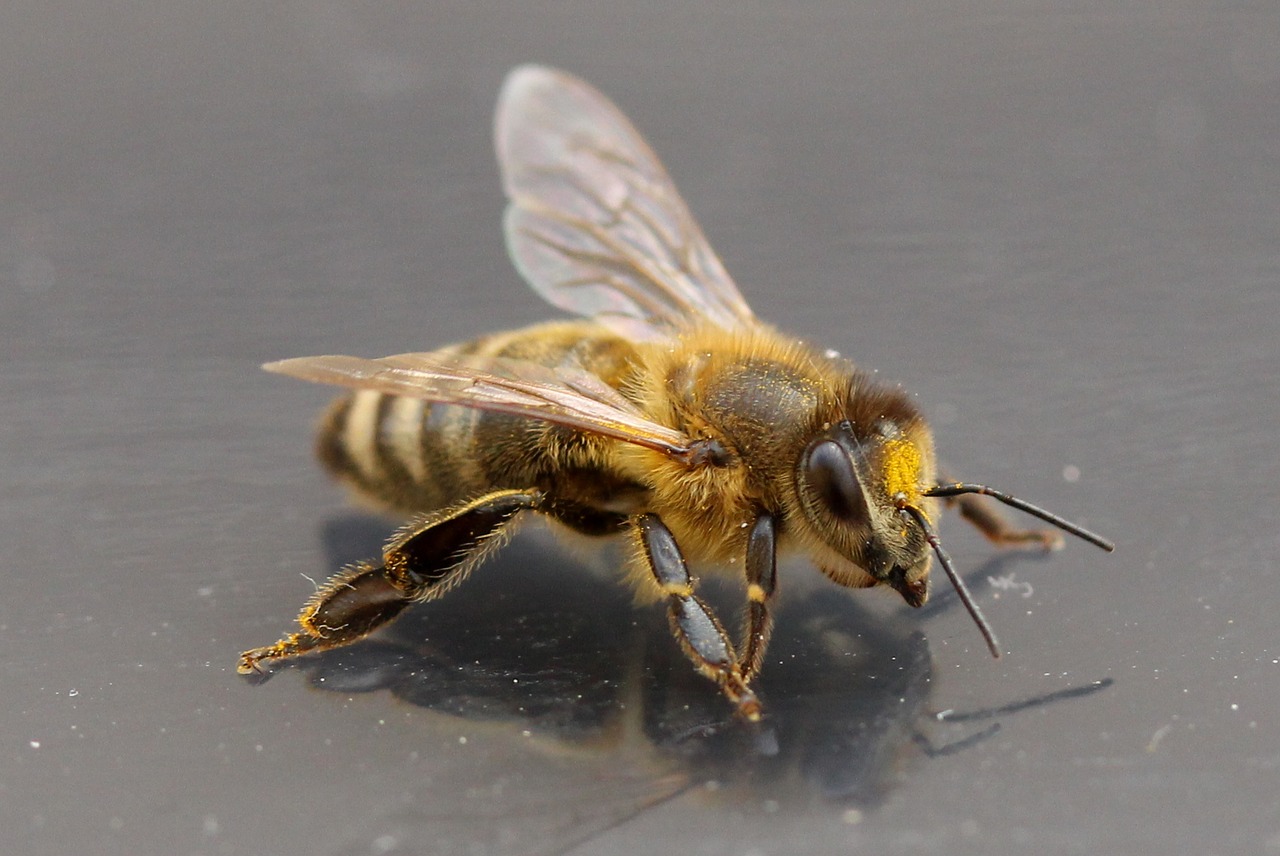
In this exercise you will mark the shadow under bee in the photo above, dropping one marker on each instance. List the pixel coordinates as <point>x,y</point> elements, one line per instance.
<point>538,641</point>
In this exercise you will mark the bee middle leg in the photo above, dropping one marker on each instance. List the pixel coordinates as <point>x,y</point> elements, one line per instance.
<point>420,564</point>
<point>695,626</point>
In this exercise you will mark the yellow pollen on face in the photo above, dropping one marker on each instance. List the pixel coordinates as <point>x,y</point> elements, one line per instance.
<point>902,469</point>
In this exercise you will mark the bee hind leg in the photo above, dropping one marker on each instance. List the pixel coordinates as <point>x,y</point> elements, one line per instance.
<point>695,626</point>
<point>421,563</point>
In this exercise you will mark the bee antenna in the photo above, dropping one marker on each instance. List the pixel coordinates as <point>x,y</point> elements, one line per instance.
<point>1065,525</point>
<point>931,536</point>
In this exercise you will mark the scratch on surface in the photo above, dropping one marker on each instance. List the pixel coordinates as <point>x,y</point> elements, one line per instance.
<point>1160,734</point>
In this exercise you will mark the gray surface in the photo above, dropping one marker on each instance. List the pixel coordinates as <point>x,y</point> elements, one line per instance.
<point>1058,224</point>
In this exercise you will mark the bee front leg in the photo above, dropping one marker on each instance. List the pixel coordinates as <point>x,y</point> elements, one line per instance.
<point>762,582</point>
<point>421,563</point>
<point>981,511</point>
<point>695,626</point>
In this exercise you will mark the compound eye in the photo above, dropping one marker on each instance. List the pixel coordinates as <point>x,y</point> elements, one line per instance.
<point>829,471</point>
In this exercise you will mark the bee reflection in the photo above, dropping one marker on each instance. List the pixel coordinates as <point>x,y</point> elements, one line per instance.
<point>555,650</point>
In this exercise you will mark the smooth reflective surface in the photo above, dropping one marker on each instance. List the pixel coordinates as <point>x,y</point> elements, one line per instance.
<point>557,656</point>
<point>1057,227</point>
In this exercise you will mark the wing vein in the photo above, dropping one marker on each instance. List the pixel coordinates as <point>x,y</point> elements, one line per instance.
<point>589,197</point>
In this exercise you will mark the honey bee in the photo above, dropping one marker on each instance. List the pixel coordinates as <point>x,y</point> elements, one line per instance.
<point>670,416</point>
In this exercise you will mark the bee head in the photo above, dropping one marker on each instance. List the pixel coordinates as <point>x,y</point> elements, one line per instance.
<point>867,499</point>
<point>853,486</point>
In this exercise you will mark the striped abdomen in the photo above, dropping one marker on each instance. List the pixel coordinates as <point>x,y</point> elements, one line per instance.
<point>414,456</point>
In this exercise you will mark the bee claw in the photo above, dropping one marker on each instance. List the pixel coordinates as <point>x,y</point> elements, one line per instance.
<point>251,665</point>
<point>749,708</point>
<point>1052,541</point>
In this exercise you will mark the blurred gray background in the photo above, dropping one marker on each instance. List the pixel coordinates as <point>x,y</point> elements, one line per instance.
<point>1058,224</point>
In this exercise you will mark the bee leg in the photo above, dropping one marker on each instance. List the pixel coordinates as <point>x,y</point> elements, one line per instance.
<point>694,625</point>
<point>762,580</point>
<point>982,512</point>
<point>421,563</point>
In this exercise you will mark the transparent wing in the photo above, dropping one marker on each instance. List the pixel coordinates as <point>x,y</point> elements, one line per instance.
<point>566,396</point>
<point>595,223</point>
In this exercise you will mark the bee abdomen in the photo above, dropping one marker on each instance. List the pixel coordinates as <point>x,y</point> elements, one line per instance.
<point>402,453</point>
<point>411,455</point>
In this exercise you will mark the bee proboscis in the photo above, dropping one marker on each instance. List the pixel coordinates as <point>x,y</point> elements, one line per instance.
<point>670,416</point>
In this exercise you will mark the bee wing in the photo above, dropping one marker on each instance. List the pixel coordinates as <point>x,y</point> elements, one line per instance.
<point>595,223</point>
<point>565,396</point>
